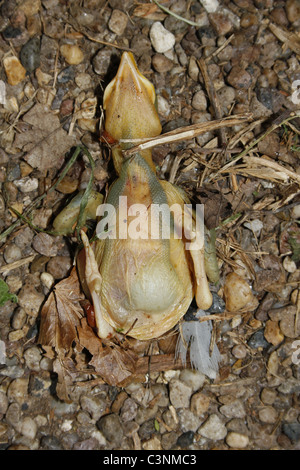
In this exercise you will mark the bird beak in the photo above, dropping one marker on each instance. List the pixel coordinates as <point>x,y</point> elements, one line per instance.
<point>129,102</point>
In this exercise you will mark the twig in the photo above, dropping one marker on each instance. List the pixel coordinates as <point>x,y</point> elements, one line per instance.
<point>185,133</point>
<point>212,95</point>
<point>288,38</point>
<point>16,264</point>
<point>178,17</point>
<point>275,125</point>
<point>220,48</point>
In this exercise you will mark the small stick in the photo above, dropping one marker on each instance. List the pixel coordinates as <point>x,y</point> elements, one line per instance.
<point>189,132</point>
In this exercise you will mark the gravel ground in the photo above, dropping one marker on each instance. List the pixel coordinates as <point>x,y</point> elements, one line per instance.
<point>56,62</point>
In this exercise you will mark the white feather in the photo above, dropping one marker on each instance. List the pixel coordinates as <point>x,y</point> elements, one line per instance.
<point>197,336</point>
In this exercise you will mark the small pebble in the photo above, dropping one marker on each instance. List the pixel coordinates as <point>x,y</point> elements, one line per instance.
<point>39,384</point>
<point>248,19</point>
<point>47,280</point>
<point>192,378</point>
<point>13,415</point>
<point>94,405</point>
<point>128,410</point>
<point>14,283</point>
<point>235,409</point>
<point>12,253</point>
<point>65,76</point>
<point>3,403</point>
<point>161,63</point>
<point>163,106</point>
<point>268,414</point>
<point>32,358</point>
<point>255,226</point>
<point>188,420</point>
<point>238,294</point>
<point>295,212</point>
<point>290,323</point>
<point>292,431</point>
<point>45,244</point>
<point>152,444</point>
<point>102,60</point>
<point>27,184</point>
<point>221,23</point>
<point>111,428</point>
<point>51,443</point>
<point>236,440</point>
<point>14,70</point>
<point>30,54</point>
<point>18,390</point>
<point>289,265</point>
<point>72,54</point>
<point>239,78</point>
<point>257,340</point>
<point>180,394</point>
<point>210,5</point>
<point>118,22</point>
<point>292,9</point>
<point>213,428</point>
<point>268,396</point>
<point>185,439</point>
<point>59,266</point>
<point>199,101</point>
<point>30,300</point>
<point>16,335</point>
<point>83,80</point>
<point>200,403</point>
<point>28,427</point>
<point>239,351</point>
<point>272,333</point>
<point>162,40</point>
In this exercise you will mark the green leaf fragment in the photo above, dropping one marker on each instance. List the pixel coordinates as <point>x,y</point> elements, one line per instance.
<point>5,295</point>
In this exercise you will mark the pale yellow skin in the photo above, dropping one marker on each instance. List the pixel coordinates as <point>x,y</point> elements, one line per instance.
<point>140,287</point>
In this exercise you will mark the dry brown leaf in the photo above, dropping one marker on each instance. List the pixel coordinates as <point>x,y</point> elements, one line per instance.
<point>113,363</point>
<point>44,140</point>
<point>61,314</point>
<point>61,366</point>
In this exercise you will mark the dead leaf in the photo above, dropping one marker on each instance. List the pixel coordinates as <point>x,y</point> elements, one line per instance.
<point>113,363</point>
<point>61,366</point>
<point>45,141</point>
<point>61,314</point>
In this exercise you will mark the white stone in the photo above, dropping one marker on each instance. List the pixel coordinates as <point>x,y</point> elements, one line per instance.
<point>32,358</point>
<point>162,40</point>
<point>210,5</point>
<point>28,428</point>
<point>180,394</point>
<point>289,265</point>
<point>67,425</point>
<point>193,378</point>
<point>213,428</point>
<point>255,225</point>
<point>237,440</point>
<point>27,184</point>
<point>295,212</point>
<point>163,106</point>
<point>47,280</point>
